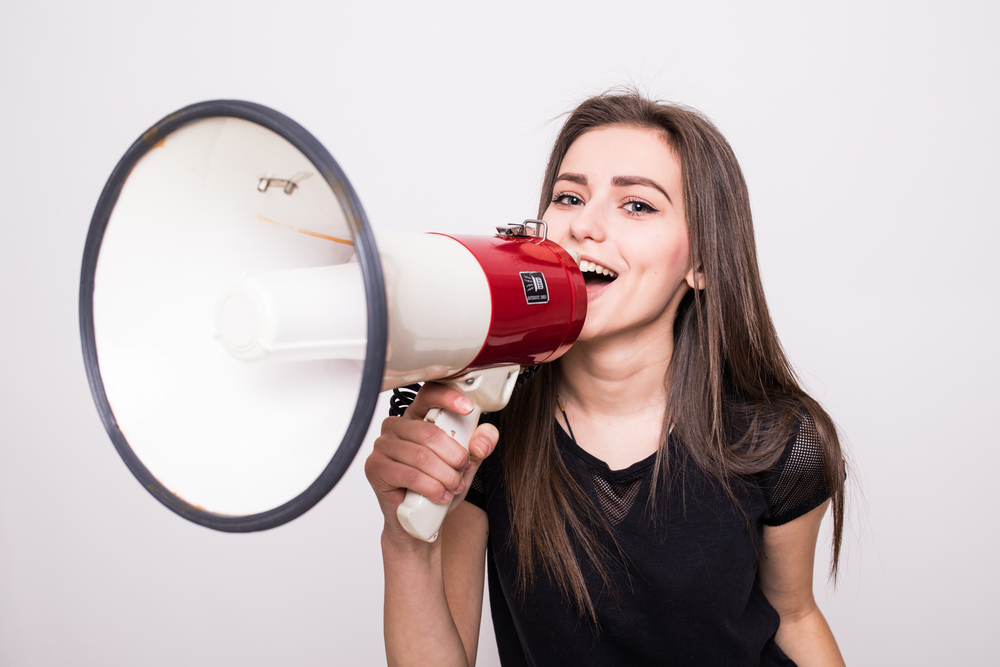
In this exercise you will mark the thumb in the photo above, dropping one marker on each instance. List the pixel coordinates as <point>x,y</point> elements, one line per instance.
<point>484,441</point>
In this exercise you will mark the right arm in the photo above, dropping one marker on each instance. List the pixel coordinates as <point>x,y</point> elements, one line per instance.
<point>433,592</point>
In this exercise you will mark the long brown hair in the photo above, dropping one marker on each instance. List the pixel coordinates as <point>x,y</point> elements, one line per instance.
<point>733,401</point>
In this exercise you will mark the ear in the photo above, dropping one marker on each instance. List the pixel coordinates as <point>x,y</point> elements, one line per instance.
<point>696,279</point>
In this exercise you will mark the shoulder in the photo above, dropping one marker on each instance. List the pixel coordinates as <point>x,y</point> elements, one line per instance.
<point>798,482</point>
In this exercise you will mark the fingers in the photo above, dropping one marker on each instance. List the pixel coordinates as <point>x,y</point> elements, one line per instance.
<point>412,454</point>
<point>421,457</point>
<point>433,395</point>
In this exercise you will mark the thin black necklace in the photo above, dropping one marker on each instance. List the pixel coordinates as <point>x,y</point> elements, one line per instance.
<point>563,411</point>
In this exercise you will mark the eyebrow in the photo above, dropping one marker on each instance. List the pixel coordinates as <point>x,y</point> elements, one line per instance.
<point>572,178</point>
<point>640,180</point>
<point>619,181</point>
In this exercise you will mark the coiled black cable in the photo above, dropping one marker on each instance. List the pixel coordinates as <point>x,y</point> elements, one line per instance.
<point>401,399</point>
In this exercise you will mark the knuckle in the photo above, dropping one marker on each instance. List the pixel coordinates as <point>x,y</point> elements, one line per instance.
<point>427,394</point>
<point>456,457</point>
<point>411,476</point>
<point>391,425</point>
<point>432,436</point>
<point>430,431</point>
<point>423,457</point>
<point>373,464</point>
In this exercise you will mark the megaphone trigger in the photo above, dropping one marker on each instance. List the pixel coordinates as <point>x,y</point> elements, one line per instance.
<point>489,390</point>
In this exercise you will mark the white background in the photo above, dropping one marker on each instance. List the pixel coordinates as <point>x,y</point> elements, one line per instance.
<point>868,135</point>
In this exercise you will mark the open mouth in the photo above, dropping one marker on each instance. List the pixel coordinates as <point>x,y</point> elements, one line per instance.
<point>595,273</point>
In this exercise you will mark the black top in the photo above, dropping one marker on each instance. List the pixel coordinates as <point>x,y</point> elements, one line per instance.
<point>687,593</point>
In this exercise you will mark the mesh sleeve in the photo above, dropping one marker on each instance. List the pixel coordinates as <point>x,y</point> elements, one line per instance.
<point>801,485</point>
<point>477,490</point>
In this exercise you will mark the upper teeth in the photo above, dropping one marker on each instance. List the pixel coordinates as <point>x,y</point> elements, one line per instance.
<point>596,268</point>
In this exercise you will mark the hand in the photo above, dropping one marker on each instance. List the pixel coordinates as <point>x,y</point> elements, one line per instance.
<point>417,455</point>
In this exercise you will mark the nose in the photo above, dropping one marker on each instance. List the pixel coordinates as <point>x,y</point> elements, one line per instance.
<point>588,223</point>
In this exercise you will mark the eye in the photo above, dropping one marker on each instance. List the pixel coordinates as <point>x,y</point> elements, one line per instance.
<point>638,207</point>
<point>567,199</point>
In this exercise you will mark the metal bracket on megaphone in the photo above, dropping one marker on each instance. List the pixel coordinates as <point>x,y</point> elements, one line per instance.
<point>529,228</point>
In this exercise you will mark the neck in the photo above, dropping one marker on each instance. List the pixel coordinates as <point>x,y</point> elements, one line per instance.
<point>618,377</point>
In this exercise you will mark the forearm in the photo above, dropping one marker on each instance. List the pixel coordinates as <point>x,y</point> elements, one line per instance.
<point>419,629</point>
<point>806,639</point>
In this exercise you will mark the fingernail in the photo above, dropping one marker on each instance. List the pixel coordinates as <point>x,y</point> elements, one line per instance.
<point>461,486</point>
<point>482,448</point>
<point>447,497</point>
<point>465,404</point>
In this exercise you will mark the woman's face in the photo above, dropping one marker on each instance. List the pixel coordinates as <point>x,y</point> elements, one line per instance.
<point>618,201</point>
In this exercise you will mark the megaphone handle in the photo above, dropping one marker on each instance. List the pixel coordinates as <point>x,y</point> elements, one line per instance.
<point>489,390</point>
<point>418,515</point>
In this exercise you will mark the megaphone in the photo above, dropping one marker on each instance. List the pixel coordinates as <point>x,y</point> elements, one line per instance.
<point>238,319</point>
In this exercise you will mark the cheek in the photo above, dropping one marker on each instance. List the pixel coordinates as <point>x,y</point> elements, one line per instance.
<point>666,263</point>
<point>677,252</point>
<point>679,257</point>
<point>666,254</point>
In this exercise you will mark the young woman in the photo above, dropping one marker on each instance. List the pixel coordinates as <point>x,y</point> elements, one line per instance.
<point>656,493</point>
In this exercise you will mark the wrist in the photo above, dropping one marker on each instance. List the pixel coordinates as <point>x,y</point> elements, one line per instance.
<point>397,542</point>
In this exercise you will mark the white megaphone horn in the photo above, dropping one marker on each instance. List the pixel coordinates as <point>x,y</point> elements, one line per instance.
<point>238,320</point>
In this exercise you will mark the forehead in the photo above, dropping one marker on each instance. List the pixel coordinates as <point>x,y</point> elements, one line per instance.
<point>623,150</point>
